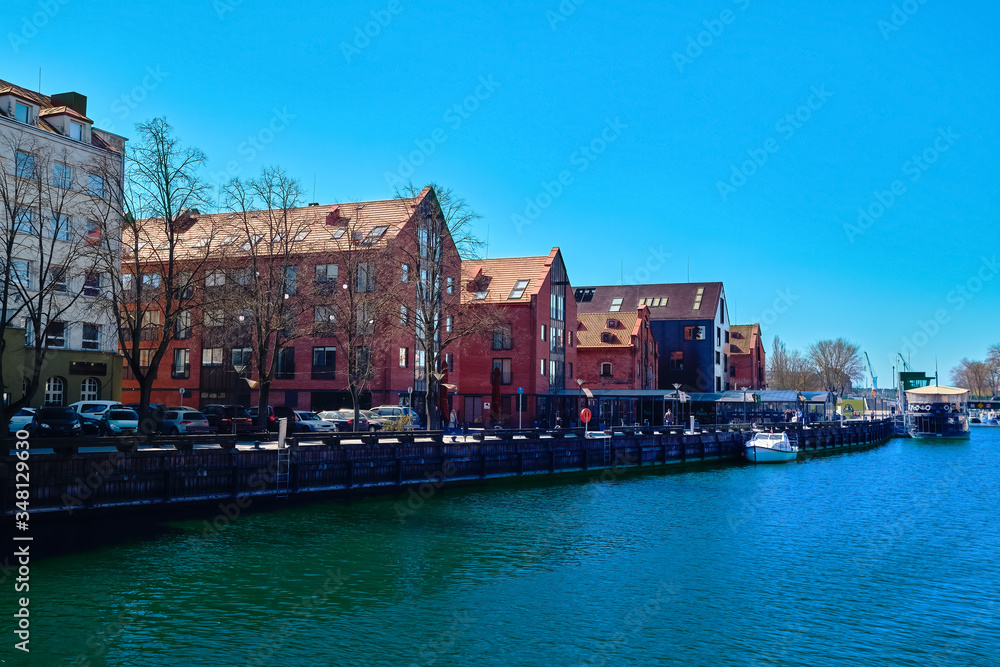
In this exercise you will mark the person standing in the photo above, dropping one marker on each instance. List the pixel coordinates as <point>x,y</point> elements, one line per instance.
<point>668,418</point>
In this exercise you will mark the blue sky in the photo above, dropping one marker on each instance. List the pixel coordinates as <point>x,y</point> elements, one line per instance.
<point>739,137</point>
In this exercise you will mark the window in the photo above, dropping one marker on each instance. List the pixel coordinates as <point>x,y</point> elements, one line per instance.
<point>57,279</point>
<point>326,273</point>
<point>75,131</point>
<point>694,333</point>
<point>404,357</point>
<point>616,304</point>
<point>150,325</point>
<point>363,360</point>
<point>91,336</point>
<point>95,185</point>
<point>183,325</point>
<point>21,112</point>
<point>571,369</point>
<point>324,362</point>
<point>569,338</point>
<point>182,367</point>
<point>374,235</point>
<point>722,311</point>
<point>229,240</point>
<point>337,233</point>
<point>697,298</point>
<point>605,370</point>
<point>291,272</point>
<point>718,383</point>
<point>215,318</point>
<point>502,338</point>
<point>404,316</point>
<point>555,372</point>
<point>241,357</point>
<point>653,302</point>
<point>215,278</point>
<point>23,222</point>
<point>725,359</point>
<point>93,233</point>
<point>518,290</point>
<point>543,332</point>
<point>300,236</point>
<point>480,295</point>
<point>62,175</point>
<point>211,356</point>
<point>55,392</point>
<point>90,389</point>
<point>555,339</point>
<point>55,335</point>
<point>59,227</point>
<point>608,337</point>
<point>404,273</point>
<point>583,295</point>
<point>151,280</point>
<point>24,165</point>
<point>243,276</point>
<point>543,368</point>
<point>449,323</point>
<point>613,324</point>
<point>252,242</point>
<point>504,366</point>
<point>676,360</point>
<point>91,284</point>
<point>144,357</point>
<point>557,307</point>
<point>449,360</point>
<point>366,277</point>
<point>286,364</point>
<point>718,357</point>
<point>202,242</point>
<point>727,336</point>
<point>450,285</point>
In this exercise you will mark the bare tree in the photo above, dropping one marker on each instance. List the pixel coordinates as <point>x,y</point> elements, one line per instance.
<point>263,287</point>
<point>442,234</point>
<point>972,375</point>
<point>789,369</point>
<point>151,270</point>
<point>837,364</point>
<point>43,255</point>
<point>993,364</point>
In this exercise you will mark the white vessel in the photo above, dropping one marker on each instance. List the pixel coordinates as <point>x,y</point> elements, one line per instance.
<point>770,448</point>
<point>938,412</point>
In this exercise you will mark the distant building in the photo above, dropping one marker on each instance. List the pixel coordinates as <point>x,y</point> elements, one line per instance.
<point>533,349</point>
<point>748,367</point>
<point>59,170</point>
<point>616,350</point>
<point>689,323</point>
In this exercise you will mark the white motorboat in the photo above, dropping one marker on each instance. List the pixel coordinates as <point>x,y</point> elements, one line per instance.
<point>770,448</point>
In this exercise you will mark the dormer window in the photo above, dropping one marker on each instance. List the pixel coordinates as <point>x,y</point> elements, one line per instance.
<point>612,324</point>
<point>607,337</point>
<point>75,131</point>
<point>518,290</point>
<point>21,112</point>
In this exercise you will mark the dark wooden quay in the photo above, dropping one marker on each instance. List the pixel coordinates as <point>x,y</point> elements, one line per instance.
<point>176,474</point>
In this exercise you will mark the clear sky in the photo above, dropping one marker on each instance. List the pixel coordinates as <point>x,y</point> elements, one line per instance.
<point>740,137</point>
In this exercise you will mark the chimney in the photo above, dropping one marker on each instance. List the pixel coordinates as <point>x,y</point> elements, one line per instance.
<point>333,216</point>
<point>74,101</point>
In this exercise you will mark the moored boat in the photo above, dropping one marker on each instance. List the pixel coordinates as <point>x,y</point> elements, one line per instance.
<point>770,448</point>
<point>938,411</point>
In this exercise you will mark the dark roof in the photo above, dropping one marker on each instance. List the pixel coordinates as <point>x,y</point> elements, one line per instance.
<point>680,299</point>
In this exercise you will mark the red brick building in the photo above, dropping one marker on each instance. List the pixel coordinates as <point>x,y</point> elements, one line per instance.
<point>211,360</point>
<point>534,348</point>
<point>616,350</point>
<point>746,356</point>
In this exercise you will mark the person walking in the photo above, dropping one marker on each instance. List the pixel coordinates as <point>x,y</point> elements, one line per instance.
<point>668,417</point>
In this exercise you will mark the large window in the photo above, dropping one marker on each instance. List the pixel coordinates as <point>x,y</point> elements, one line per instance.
<point>75,131</point>
<point>21,113</point>
<point>215,278</point>
<point>90,390</point>
<point>518,290</point>
<point>241,357</point>
<point>606,370</point>
<point>324,363</point>
<point>502,338</point>
<point>21,271</point>
<point>326,273</point>
<point>182,363</point>
<point>286,364</point>
<point>23,220</point>
<point>504,366</point>
<point>557,307</point>
<point>62,175</point>
<point>404,357</point>
<point>211,356</point>
<point>291,275</point>
<point>59,227</point>
<point>55,335</point>
<point>24,165</point>
<point>57,279</point>
<point>694,333</point>
<point>366,277</point>
<point>215,318</point>
<point>95,185</point>
<point>183,326</point>
<point>92,284</point>
<point>91,336</point>
<point>55,391</point>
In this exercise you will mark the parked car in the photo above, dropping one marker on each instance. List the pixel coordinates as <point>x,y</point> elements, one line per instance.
<point>344,420</point>
<point>182,421</point>
<point>152,406</point>
<point>310,421</point>
<point>53,422</point>
<point>119,421</point>
<point>375,422</point>
<point>274,413</point>
<point>394,412</point>
<point>20,420</point>
<point>94,409</point>
<point>228,418</point>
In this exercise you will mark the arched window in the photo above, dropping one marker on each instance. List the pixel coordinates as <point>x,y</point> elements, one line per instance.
<point>55,391</point>
<point>90,390</point>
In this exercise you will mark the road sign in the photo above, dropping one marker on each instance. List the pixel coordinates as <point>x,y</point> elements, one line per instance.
<point>585,415</point>
<point>520,390</point>
<point>486,406</point>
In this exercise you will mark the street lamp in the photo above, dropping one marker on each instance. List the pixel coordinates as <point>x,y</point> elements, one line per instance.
<point>677,402</point>
<point>744,390</point>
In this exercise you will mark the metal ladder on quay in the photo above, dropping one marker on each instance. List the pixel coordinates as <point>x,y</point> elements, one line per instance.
<point>607,452</point>
<point>284,462</point>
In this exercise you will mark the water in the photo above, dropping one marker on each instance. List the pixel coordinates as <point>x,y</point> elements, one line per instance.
<point>881,557</point>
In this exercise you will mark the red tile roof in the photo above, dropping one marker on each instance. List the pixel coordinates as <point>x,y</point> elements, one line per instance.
<point>58,111</point>
<point>592,325</point>
<point>498,276</point>
<point>743,338</point>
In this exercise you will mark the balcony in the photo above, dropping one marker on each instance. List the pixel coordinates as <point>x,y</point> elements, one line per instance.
<point>180,372</point>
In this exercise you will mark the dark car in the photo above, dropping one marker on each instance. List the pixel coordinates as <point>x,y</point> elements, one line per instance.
<point>276,413</point>
<point>54,422</point>
<point>228,418</point>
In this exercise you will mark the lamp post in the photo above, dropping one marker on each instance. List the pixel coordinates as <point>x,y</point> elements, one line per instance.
<point>677,402</point>
<point>744,390</point>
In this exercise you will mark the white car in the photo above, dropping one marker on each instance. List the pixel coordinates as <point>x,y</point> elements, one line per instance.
<point>21,420</point>
<point>94,409</point>
<point>310,421</point>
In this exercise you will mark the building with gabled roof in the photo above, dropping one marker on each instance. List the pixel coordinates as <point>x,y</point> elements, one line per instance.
<point>533,350</point>
<point>748,366</point>
<point>616,351</point>
<point>689,322</point>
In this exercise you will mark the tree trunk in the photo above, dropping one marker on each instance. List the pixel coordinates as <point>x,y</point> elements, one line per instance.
<point>264,393</point>
<point>357,408</point>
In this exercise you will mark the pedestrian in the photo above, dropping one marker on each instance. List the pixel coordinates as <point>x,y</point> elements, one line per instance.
<point>558,421</point>
<point>453,421</point>
<point>798,416</point>
<point>668,417</point>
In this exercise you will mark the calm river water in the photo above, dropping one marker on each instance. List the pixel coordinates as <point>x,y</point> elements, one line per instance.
<point>882,557</point>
